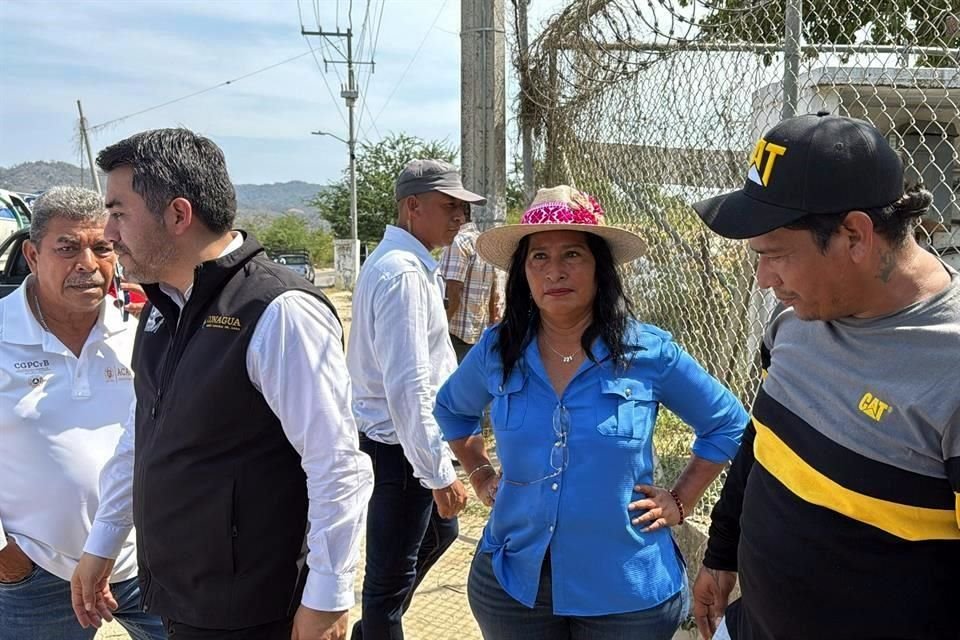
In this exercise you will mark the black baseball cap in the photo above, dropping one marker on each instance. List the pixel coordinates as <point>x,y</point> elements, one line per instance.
<point>421,176</point>
<point>810,164</point>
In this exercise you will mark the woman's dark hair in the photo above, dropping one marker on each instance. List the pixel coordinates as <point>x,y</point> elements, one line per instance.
<point>894,221</point>
<point>612,310</point>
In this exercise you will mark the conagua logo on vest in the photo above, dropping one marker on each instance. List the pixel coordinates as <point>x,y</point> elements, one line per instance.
<point>764,156</point>
<point>230,323</point>
<point>873,406</point>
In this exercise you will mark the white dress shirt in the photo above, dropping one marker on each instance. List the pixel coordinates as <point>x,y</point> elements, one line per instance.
<point>400,354</point>
<point>61,416</point>
<point>295,359</point>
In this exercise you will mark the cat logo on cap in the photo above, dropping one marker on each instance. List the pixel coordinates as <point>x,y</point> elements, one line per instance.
<point>764,156</point>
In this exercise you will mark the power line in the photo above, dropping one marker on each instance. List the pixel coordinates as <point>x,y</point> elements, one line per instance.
<point>410,64</point>
<point>197,93</point>
<point>363,30</point>
<point>373,121</point>
<point>323,75</point>
<point>320,68</point>
<point>373,50</point>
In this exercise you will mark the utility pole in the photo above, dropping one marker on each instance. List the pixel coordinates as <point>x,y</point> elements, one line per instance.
<point>86,142</point>
<point>483,108</point>
<point>349,268</point>
<point>350,95</point>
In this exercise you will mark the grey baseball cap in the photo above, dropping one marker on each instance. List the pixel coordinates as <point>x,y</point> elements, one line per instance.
<point>421,176</point>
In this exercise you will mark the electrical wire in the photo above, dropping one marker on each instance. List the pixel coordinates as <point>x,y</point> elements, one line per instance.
<point>326,84</point>
<point>363,95</point>
<point>412,60</point>
<point>197,93</point>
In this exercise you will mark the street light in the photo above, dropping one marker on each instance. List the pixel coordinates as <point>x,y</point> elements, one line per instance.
<point>332,135</point>
<point>351,146</point>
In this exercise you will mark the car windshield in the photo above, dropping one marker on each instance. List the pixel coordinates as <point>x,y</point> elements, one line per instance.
<point>292,259</point>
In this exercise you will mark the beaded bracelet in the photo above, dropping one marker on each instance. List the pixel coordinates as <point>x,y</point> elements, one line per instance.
<point>676,499</point>
<point>483,466</point>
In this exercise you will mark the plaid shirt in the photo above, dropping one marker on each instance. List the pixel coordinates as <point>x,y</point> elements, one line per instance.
<point>460,262</point>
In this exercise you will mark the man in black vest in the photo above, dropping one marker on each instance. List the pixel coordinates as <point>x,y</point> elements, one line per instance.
<point>247,488</point>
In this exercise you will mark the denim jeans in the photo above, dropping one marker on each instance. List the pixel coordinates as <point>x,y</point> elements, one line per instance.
<point>405,537</point>
<point>502,618</point>
<point>38,608</point>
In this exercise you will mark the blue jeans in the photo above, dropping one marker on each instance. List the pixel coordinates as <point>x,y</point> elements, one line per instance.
<point>502,618</point>
<point>38,608</point>
<point>405,537</point>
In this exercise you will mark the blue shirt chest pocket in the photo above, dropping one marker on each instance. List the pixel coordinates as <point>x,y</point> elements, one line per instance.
<point>509,405</point>
<point>627,408</point>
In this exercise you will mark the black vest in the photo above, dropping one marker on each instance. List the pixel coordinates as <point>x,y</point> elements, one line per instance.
<point>219,496</point>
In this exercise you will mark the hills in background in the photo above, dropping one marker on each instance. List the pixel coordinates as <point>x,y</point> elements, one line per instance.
<point>252,199</point>
<point>33,177</point>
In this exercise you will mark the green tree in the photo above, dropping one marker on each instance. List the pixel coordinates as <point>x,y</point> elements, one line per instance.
<point>516,199</point>
<point>378,165</point>
<point>891,22</point>
<point>292,231</point>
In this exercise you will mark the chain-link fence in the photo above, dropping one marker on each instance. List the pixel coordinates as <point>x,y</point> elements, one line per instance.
<point>652,105</point>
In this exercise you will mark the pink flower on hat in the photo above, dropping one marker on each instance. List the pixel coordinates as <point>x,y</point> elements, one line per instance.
<point>561,208</point>
<point>582,208</point>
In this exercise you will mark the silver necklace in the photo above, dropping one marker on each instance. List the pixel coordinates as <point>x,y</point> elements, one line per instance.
<point>565,359</point>
<point>36,303</point>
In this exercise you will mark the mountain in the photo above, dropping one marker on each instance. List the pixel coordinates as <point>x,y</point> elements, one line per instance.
<point>277,198</point>
<point>252,199</point>
<point>32,177</point>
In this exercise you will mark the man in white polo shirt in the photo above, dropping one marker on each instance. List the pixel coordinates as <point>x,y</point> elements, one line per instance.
<point>65,390</point>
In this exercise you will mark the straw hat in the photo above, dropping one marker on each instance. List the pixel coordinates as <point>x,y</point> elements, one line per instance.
<point>557,209</point>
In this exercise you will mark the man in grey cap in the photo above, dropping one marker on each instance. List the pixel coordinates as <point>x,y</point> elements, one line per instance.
<point>399,355</point>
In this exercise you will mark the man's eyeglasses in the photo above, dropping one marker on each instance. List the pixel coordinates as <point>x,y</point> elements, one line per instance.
<point>559,452</point>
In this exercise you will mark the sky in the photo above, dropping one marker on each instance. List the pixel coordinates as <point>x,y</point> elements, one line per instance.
<point>121,58</point>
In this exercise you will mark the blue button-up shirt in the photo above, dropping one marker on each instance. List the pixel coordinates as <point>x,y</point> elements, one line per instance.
<point>601,562</point>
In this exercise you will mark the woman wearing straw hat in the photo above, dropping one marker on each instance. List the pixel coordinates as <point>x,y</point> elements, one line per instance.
<point>578,544</point>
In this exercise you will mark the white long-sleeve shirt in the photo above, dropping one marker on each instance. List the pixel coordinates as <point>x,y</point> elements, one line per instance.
<point>61,417</point>
<point>295,359</point>
<point>400,354</point>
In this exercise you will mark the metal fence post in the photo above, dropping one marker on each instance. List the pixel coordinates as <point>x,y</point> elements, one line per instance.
<point>792,33</point>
